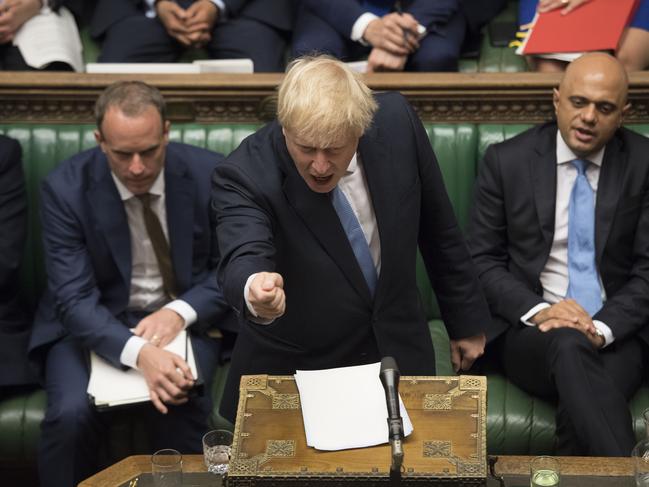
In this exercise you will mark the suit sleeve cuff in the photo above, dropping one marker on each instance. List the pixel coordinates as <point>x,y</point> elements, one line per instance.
<point>358,29</point>
<point>131,351</point>
<point>252,314</point>
<point>186,312</point>
<point>526,317</point>
<point>604,328</point>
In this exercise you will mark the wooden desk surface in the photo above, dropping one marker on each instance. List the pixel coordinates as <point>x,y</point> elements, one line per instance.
<point>130,467</point>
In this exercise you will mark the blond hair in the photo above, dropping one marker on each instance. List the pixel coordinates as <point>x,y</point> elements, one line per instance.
<point>323,102</point>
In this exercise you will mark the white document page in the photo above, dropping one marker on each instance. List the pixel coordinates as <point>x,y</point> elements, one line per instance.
<point>148,68</point>
<point>48,37</point>
<point>111,386</point>
<point>225,65</point>
<point>345,407</point>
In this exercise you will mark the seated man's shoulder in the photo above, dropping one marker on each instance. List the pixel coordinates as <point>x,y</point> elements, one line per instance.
<point>197,156</point>
<point>76,170</point>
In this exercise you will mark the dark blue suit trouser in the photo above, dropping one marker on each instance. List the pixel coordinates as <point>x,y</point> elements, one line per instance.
<point>73,431</point>
<point>591,386</point>
<point>139,39</point>
<point>438,51</point>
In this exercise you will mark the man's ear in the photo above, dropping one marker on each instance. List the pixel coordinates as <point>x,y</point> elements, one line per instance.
<point>625,111</point>
<point>555,99</point>
<point>165,130</point>
<point>98,138</point>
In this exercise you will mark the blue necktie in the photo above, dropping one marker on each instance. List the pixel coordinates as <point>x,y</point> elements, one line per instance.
<point>378,7</point>
<point>583,284</point>
<point>355,236</point>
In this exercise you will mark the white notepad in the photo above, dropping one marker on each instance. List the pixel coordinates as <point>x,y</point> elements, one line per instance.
<point>110,386</point>
<point>345,407</point>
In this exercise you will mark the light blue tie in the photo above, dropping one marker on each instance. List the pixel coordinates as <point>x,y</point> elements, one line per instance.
<point>583,284</point>
<point>378,7</point>
<point>355,236</point>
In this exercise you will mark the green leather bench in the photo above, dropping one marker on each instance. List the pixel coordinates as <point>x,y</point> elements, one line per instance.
<point>516,424</point>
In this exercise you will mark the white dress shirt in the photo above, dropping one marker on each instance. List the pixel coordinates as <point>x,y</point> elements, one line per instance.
<point>146,287</point>
<point>554,277</point>
<point>354,186</point>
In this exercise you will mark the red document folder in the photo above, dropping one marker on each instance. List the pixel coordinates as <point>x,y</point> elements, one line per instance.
<point>593,26</point>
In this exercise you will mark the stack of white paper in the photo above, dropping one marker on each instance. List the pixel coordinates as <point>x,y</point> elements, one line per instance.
<point>345,407</point>
<point>110,386</point>
<point>198,66</point>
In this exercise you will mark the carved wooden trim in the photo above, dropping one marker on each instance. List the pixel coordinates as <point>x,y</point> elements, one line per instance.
<point>221,98</point>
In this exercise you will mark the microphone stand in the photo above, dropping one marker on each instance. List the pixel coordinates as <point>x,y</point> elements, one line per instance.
<point>389,376</point>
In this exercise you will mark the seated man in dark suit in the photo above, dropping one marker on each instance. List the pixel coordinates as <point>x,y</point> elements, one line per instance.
<point>14,322</point>
<point>411,35</point>
<point>319,216</point>
<point>130,263</point>
<point>159,30</point>
<point>560,234</point>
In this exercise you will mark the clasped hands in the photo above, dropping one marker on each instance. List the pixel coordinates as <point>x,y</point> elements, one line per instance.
<point>167,375</point>
<point>393,37</point>
<point>568,314</point>
<point>191,26</point>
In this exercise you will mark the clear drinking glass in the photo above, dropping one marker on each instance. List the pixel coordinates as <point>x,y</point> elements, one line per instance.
<point>640,455</point>
<point>217,445</point>
<point>167,468</point>
<point>545,472</point>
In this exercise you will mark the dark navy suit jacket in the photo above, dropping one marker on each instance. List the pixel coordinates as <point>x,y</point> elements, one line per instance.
<point>269,220</point>
<point>341,14</point>
<point>14,324</point>
<point>276,13</point>
<point>88,250</point>
<point>512,227</point>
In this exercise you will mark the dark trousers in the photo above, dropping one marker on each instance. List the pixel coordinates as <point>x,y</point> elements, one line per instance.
<point>73,431</point>
<point>12,60</point>
<point>138,39</point>
<point>438,51</point>
<point>592,387</point>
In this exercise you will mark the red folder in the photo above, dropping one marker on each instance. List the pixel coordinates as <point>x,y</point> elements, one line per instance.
<point>593,26</point>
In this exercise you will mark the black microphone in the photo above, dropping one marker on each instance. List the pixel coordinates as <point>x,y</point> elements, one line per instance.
<point>389,376</point>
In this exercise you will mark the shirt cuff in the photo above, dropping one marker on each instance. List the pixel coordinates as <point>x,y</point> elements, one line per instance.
<point>221,6</point>
<point>608,334</point>
<point>252,314</point>
<point>131,351</point>
<point>526,317</point>
<point>186,312</point>
<point>358,29</point>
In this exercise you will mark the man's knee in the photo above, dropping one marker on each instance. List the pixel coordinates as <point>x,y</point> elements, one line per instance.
<point>568,342</point>
<point>442,58</point>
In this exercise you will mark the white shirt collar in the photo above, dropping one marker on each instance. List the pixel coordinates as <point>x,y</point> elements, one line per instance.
<point>157,188</point>
<point>565,153</point>
<point>353,164</point>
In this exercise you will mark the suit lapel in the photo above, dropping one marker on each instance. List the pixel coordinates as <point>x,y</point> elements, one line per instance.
<point>318,215</point>
<point>543,168</point>
<point>609,187</point>
<point>108,211</point>
<point>180,219</point>
<point>377,160</point>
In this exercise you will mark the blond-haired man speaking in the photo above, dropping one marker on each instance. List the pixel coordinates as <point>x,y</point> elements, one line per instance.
<point>318,217</point>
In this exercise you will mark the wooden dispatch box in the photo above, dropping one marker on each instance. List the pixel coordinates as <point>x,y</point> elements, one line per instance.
<point>447,446</point>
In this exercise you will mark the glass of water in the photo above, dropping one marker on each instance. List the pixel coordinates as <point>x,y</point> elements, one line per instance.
<point>640,455</point>
<point>217,445</point>
<point>545,472</point>
<point>167,468</point>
